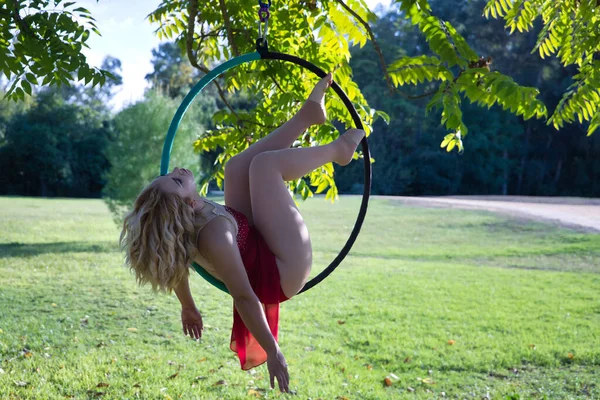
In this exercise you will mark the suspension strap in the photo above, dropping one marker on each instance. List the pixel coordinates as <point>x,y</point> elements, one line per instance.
<point>263,16</point>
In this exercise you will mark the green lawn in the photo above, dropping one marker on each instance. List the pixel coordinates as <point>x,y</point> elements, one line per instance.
<point>460,304</point>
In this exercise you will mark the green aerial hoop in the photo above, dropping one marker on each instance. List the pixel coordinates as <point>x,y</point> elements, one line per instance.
<point>262,52</point>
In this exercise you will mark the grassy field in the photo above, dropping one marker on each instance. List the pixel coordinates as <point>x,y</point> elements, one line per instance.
<point>445,303</point>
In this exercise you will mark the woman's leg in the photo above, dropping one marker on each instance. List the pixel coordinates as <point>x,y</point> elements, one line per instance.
<point>275,214</point>
<point>237,186</point>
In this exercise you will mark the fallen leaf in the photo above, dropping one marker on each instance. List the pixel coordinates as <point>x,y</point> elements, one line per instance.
<point>342,398</point>
<point>102,384</point>
<point>132,329</point>
<point>428,381</point>
<point>168,397</point>
<point>571,356</point>
<point>451,342</point>
<point>221,382</point>
<point>532,346</point>
<point>1,331</point>
<point>387,381</point>
<point>53,304</point>
<point>341,322</point>
<point>137,385</point>
<point>254,393</point>
<point>174,375</point>
<point>202,359</point>
<point>407,360</point>
<point>369,367</point>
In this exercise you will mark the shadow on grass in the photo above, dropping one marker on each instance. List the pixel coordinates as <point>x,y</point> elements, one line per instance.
<point>16,249</point>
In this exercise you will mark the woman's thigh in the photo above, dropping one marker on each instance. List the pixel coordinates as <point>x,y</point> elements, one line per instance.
<point>279,221</point>
<point>237,186</point>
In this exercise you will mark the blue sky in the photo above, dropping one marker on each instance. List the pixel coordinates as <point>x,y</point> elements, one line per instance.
<point>128,36</point>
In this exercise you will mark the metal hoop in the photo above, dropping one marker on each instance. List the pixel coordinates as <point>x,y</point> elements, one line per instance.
<point>263,53</point>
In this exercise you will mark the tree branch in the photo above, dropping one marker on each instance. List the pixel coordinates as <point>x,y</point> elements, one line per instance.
<point>375,44</point>
<point>228,28</point>
<point>193,11</point>
<point>23,27</point>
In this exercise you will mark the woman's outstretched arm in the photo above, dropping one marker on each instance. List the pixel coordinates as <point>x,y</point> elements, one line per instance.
<point>220,247</point>
<point>184,295</point>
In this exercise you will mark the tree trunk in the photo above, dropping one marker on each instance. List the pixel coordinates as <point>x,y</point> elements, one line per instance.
<point>43,188</point>
<point>523,159</point>
<point>558,170</point>
<point>505,183</point>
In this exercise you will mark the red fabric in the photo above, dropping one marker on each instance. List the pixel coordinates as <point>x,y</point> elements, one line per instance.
<point>263,275</point>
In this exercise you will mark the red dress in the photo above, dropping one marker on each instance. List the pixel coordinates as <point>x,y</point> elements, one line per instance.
<point>263,275</point>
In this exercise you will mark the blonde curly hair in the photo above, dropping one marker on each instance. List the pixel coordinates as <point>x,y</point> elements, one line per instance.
<point>158,238</point>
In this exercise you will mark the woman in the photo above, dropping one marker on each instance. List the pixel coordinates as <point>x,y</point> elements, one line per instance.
<point>260,248</point>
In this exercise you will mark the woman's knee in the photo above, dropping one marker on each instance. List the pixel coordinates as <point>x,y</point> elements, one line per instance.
<point>262,159</point>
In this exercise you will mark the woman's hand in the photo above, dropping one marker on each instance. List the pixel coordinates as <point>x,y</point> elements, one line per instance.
<point>278,368</point>
<point>192,322</point>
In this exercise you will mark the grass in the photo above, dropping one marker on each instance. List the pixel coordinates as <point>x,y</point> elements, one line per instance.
<point>455,304</point>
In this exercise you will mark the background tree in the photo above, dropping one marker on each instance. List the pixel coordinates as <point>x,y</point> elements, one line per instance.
<point>135,153</point>
<point>172,74</point>
<point>54,149</point>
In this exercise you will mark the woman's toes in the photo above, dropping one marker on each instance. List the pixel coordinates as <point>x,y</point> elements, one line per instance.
<point>313,109</point>
<point>320,88</point>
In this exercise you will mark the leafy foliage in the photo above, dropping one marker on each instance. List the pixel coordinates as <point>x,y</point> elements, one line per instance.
<point>322,35</point>
<point>572,32</point>
<point>40,41</point>
<point>134,153</point>
<point>474,78</point>
<point>55,148</point>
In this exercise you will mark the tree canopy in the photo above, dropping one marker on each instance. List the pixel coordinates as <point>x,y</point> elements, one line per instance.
<point>449,66</point>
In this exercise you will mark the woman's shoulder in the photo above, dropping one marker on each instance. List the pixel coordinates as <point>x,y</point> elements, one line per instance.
<point>217,230</point>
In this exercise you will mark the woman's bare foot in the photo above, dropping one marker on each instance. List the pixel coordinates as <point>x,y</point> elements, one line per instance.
<point>347,144</point>
<point>313,110</point>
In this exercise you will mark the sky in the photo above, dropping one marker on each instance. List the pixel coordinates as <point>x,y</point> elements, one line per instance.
<point>129,36</point>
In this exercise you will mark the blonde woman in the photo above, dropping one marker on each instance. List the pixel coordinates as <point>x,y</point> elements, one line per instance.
<point>257,244</point>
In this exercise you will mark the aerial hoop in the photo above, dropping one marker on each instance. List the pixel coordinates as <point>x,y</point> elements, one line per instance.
<point>262,52</point>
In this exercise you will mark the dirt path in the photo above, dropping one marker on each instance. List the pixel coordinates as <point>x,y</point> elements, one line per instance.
<point>578,213</point>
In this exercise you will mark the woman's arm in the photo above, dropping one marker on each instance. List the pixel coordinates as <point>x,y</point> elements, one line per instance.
<point>221,249</point>
<point>184,295</point>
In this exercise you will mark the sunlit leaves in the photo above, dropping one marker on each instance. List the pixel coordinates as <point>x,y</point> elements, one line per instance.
<point>571,32</point>
<point>413,70</point>
<point>321,36</point>
<point>41,44</point>
<point>582,100</point>
<point>487,88</point>
<point>478,84</point>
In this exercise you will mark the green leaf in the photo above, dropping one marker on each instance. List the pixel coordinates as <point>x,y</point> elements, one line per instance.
<point>26,86</point>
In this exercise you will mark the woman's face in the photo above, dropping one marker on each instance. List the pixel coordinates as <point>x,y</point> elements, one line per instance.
<point>180,181</point>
